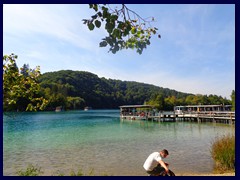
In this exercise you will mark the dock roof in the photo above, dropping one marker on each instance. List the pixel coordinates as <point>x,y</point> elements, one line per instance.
<point>205,106</point>
<point>136,106</point>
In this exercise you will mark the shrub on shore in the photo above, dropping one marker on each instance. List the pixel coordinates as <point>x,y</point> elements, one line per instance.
<point>30,171</point>
<point>223,153</point>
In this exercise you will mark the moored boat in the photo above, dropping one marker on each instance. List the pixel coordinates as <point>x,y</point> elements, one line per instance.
<point>87,108</point>
<point>59,109</point>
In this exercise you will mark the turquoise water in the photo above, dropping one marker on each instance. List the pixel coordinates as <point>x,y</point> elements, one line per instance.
<point>99,140</point>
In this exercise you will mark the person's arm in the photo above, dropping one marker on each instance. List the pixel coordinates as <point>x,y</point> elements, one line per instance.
<point>163,165</point>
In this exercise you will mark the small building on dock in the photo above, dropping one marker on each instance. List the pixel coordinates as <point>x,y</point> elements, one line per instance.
<point>201,108</point>
<point>133,112</point>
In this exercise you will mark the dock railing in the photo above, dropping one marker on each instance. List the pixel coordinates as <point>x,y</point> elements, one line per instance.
<point>227,117</point>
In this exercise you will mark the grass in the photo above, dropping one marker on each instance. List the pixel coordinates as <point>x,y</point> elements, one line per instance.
<point>223,153</point>
<point>32,170</point>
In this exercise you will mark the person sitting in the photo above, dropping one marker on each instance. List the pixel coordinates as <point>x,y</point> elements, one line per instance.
<point>154,164</point>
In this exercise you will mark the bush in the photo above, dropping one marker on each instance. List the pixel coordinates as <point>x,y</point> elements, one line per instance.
<point>36,171</point>
<point>79,173</point>
<point>223,153</point>
<point>30,171</point>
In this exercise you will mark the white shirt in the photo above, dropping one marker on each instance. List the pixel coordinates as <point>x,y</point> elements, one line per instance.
<point>152,161</point>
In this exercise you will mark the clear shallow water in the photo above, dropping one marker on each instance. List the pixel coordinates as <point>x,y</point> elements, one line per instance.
<point>99,140</point>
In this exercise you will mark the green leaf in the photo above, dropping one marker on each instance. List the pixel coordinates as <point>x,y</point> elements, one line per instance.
<point>104,8</point>
<point>117,33</point>
<point>94,16</point>
<point>97,23</point>
<point>116,48</point>
<point>120,25</point>
<point>109,27</point>
<point>106,14</point>
<point>95,7</point>
<point>12,102</point>
<point>133,30</point>
<point>128,28</point>
<point>85,21</point>
<point>103,44</point>
<point>99,14</point>
<point>109,40</point>
<point>139,34</point>
<point>29,107</point>
<point>90,26</point>
<point>114,17</point>
<point>121,43</point>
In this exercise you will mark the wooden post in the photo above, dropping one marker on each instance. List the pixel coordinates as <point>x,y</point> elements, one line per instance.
<point>198,119</point>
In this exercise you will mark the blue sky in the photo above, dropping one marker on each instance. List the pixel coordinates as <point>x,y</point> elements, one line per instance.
<point>196,53</point>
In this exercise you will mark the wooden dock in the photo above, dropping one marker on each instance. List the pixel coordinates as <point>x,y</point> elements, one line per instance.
<point>170,116</point>
<point>226,117</point>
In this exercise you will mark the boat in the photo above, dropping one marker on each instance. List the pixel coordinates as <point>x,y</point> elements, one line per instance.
<point>87,108</point>
<point>59,109</point>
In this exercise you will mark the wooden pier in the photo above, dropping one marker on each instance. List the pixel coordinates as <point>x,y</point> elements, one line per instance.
<point>227,117</point>
<point>147,112</point>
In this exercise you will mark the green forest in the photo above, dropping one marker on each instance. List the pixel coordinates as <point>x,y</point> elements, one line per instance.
<point>77,89</point>
<point>27,89</point>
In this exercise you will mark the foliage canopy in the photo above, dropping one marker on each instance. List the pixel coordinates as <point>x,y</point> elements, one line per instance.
<point>125,28</point>
<point>21,90</point>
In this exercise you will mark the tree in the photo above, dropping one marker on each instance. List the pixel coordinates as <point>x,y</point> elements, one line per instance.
<point>75,102</point>
<point>126,29</point>
<point>25,70</point>
<point>157,100</point>
<point>21,91</point>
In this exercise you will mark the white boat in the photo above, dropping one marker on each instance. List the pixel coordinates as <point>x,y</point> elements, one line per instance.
<point>87,108</point>
<point>59,109</point>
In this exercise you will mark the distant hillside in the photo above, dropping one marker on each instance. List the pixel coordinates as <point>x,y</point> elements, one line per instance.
<point>97,92</point>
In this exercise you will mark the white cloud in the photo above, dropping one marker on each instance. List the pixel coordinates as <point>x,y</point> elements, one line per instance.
<point>49,20</point>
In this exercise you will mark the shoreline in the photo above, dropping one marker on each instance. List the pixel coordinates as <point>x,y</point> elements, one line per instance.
<point>205,174</point>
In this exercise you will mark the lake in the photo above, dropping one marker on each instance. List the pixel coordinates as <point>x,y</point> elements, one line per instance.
<point>98,141</point>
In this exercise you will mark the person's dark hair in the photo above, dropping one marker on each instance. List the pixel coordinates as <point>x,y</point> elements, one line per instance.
<point>165,151</point>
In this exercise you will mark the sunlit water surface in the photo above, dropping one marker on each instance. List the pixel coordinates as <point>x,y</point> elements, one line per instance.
<point>98,141</point>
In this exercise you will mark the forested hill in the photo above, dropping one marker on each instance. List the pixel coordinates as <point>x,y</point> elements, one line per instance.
<point>99,92</point>
<point>87,89</point>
